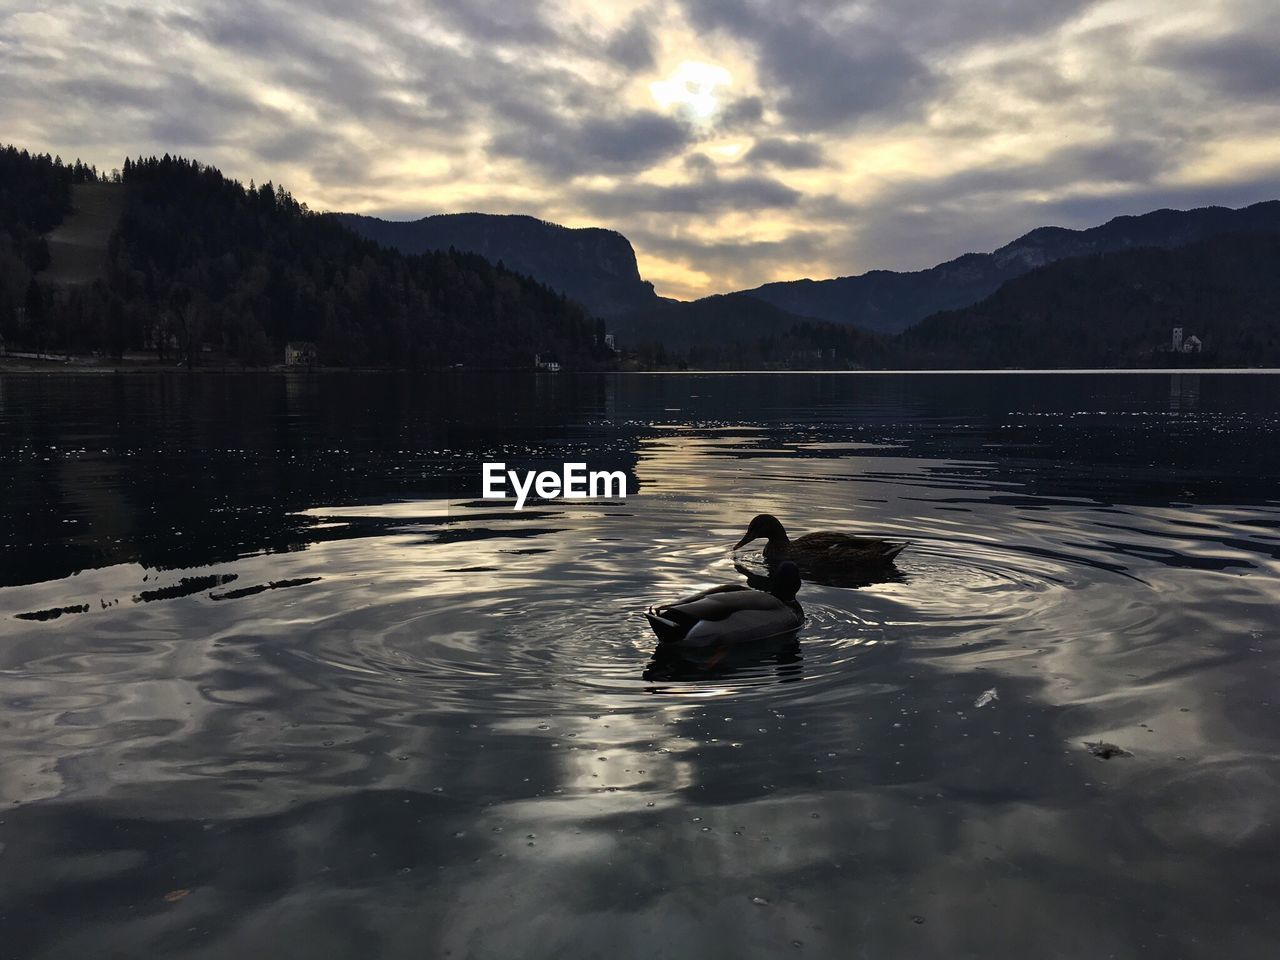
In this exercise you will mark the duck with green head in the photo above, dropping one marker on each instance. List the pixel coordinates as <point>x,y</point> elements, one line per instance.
<point>732,613</point>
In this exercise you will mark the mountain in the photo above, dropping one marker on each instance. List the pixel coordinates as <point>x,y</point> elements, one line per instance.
<point>1118,309</point>
<point>594,266</point>
<point>889,302</point>
<point>720,319</point>
<point>197,263</point>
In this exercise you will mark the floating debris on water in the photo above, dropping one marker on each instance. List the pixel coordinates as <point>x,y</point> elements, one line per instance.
<point>987,697</point>
<point>54,613</point>
<point>185,587</point>
<point>262,588</point>
<point>1105,751</point>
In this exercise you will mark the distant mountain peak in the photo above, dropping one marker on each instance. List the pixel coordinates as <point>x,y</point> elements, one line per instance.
<point>888,302</point>
<point>593,265</point>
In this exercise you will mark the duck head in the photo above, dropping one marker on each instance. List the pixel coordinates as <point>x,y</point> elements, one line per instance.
<point>784,583</point>
<point>765,525</point>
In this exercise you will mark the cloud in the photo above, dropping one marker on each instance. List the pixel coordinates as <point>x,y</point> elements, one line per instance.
<point>787,154</point>
<point>632,46</point>
<point>740,114</point>
<point>623,143</point>
<point>1240,65</point>
<point>741,262</point>
<point>499,21</point>
<point>826,72</point>
<point>704,196</point>
<point>838,138</point>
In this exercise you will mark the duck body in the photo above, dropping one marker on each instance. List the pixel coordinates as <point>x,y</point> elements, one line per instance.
<point>823,550</point>
<point>731,614</point>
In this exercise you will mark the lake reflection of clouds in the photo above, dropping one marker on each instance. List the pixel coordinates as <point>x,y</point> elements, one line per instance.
<point>441,730</point>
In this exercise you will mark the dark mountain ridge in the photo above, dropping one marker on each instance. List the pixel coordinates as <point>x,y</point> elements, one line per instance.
<point>889,302</point>
<point>1118,309</point>
<point>592,265</point>
<point>720,319</point>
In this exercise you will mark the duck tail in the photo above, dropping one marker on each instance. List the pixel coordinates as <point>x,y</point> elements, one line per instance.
<point>892,550</point>
<point>667,631</point>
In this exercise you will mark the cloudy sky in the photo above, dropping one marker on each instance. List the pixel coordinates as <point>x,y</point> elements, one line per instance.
<point>733,141</point>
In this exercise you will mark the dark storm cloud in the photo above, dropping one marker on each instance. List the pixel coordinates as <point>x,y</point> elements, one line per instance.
<point>632,46</point>
<point>740,115</point>
<point>786,154</point>
<point>532,110</point>
<point>499,21</point>
<point>1136,161</point>
<point>706,195</point>
<point>837,64</point>
<point>629,142</point>
<point>319,58</point>
<point>928,24</point>
<point>1241,65</point>
<point>827,73</point>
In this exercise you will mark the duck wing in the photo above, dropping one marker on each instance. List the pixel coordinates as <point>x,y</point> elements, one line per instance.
<point>831,547</point>
<point>714,606</point>
<point>724,616</point>
<point>745,623</point>
<point>693,597</point>
<point>672,621</point>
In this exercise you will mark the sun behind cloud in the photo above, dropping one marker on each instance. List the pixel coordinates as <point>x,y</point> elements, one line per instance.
<point>692,90</point>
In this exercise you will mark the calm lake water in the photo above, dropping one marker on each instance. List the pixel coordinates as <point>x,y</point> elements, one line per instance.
<point>274,682</point>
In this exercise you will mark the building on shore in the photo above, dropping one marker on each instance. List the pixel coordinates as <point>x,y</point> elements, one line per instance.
<point>300,353</point>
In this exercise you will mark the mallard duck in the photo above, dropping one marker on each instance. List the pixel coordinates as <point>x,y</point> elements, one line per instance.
<point>825,549</point>
<point>732,613</point>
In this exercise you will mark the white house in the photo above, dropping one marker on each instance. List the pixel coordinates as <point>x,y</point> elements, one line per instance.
<point>299,353</point>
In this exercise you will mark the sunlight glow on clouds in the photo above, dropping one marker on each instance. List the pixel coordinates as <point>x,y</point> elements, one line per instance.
<point>733,141</point>
<point>691,90</point>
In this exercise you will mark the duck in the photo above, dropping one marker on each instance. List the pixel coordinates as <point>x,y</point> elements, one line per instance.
<point>732,613</point>
<point>825,549</point>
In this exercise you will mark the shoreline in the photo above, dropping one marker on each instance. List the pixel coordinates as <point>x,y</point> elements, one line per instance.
<point>59,367</point>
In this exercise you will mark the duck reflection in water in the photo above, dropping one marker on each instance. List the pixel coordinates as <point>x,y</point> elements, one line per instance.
<point>758,576</point>
<point>729,627</point>
<point>760,661</point>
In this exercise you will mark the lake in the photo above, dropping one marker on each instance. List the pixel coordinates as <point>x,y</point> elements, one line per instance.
<point>276,682</point>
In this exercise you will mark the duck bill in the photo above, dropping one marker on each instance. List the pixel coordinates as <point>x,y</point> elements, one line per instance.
<point>743,542</point>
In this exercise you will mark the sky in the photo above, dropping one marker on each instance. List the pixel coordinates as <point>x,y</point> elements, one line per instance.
<point>734,142</point>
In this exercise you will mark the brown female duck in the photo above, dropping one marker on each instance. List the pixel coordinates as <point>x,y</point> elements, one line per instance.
<point>825,549</point>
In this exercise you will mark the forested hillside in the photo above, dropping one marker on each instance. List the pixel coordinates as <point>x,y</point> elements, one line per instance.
<point>202,264</point>
<point>1118,310</point>
<point>735,330</point>
<point>35,194</point>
